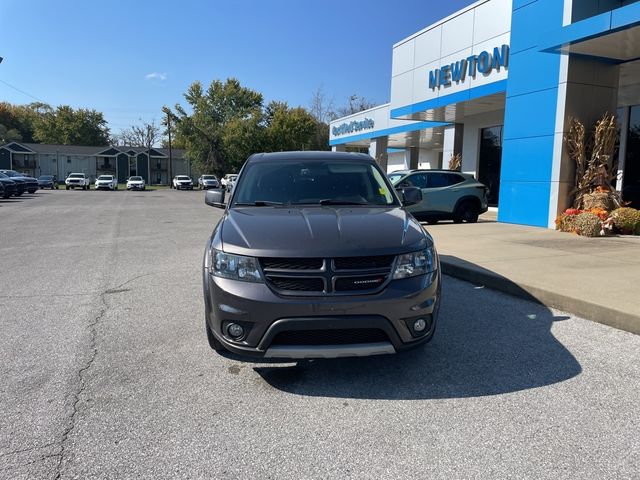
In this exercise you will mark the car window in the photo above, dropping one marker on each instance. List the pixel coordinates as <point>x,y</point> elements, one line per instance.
<point>438,180</point>
<point>416,180</point>
<point>454,179</point>
<point>395,177</point>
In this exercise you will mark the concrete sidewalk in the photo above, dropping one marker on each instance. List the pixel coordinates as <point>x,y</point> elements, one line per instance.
<point>595,278</point>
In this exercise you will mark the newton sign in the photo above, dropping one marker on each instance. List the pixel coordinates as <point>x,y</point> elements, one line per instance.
<point>485,62</point>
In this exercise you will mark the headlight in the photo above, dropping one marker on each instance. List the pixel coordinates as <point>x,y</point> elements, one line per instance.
<point>236,267</point>
<point>417,263</point>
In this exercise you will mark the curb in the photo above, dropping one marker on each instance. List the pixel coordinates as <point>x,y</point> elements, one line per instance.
<point>591,311</point>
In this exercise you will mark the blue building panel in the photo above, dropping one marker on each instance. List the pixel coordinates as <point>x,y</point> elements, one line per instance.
<point>528,159</point>
<point>525,203</point>
<point>531,114</point>
<point>523,78</point>
<point>531,20</point>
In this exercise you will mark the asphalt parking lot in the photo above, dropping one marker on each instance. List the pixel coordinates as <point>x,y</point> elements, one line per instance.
<point>105,371</point>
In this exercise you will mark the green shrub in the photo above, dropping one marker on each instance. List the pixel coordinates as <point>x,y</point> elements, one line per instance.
<point>626,220</point>
<point>587,224</point>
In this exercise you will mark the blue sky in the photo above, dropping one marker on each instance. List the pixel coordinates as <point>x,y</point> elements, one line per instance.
<point>128,58</point>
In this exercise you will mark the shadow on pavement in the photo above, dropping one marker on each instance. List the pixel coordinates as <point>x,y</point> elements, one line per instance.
<point>486,343</point>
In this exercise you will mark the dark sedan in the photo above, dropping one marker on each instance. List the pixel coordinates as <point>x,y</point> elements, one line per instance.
<point>16,186</point>
<point>31,184</point>
<point>48,181</point>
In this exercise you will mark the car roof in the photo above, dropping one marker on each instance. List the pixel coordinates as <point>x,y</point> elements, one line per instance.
<point>309,156</point>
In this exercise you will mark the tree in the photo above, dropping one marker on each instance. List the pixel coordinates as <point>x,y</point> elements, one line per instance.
<point>68,126</point>
<point>9,135</point>
<point>289,128</point>
<point>20,118</point>
<point>202,131</point>
<point>322,110</point>
<point>356,104</point>
<point>145,135</point>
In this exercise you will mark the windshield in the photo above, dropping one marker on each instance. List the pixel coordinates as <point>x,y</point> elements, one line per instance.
<point>208,177</point>
<point>11,173</point>
<point>46,177</point>
<point>183,177</point>
<point>105,177</point>
<point>315,183</point>
<point>135,179</point>
<point>76,175</point>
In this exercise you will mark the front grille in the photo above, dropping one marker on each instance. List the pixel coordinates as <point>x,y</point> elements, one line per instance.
<point>346,284</point>
<point>291,263</point>
<point>357,263</point>
<point>327,276</point>
<point>344,336</point>
<point>297,284</point>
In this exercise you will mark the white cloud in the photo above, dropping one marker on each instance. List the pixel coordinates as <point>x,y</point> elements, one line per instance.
<point>156,76</point>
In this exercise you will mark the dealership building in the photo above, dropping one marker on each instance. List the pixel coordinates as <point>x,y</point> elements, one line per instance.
<point>497,82</point>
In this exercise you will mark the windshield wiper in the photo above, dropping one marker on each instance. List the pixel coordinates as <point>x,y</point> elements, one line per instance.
<point>259,203</point>
<point>330,201</point>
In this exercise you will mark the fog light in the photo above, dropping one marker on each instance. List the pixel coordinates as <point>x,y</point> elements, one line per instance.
<point>235,331</point>
<point>419,325</point>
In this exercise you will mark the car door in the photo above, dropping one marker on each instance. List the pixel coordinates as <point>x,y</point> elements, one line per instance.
<point>439,192</point>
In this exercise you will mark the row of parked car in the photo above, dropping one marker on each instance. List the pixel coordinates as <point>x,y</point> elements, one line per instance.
<point>13,183</point>
<point>205,182</point>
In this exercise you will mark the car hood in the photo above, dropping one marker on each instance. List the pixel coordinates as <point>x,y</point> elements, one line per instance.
<point>320,231</point>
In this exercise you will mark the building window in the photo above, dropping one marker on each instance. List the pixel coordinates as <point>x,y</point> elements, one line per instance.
<point>490,160</point>
<point>631,178</point>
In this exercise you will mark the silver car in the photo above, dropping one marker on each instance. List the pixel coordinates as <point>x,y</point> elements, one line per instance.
<point>446,194</point>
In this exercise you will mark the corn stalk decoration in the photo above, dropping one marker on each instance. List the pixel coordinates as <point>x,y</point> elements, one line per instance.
<point>455,162</point>
<point>596,164</point>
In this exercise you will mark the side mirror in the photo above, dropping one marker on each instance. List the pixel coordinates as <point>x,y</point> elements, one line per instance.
<point>215,198</point>
<point>409,195</point>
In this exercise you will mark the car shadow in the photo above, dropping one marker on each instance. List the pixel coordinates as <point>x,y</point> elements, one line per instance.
<point>486,343</point>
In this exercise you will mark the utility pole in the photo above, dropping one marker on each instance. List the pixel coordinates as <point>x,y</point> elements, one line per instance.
<point>170,155</point>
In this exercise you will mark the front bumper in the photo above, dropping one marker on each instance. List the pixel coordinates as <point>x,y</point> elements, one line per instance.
<point>184,186</point>
<point>264,314</point>
<point>135,186</point>
<point>105,186</point>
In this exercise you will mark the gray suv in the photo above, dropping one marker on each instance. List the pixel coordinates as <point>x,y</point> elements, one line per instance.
<point>316,257</point>
<point>446,194</point>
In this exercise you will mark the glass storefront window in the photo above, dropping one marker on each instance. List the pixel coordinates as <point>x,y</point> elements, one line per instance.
<point>631,178</point>
<point>490,160</point>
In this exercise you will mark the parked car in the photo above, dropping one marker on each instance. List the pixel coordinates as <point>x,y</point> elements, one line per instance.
<point>446,194</point>
<point>227,181</point>
<point>208,181</point>
<point>30,183</point>
<point>315,256</point>
<point>135,183</point>
<point>77,180</point>
<point>106,182</point>
<point>19,185</point>
<point>48,181</point>
<point>182,182</point>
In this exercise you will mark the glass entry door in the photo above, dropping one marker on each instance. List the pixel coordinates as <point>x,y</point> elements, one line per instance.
<point>490,160</point>
<point>631,178</point>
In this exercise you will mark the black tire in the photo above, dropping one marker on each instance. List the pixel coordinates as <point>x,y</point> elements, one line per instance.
<point>466,212</point>
<point>66,187</point>
<point>214,343</point>
<point>6,195</point>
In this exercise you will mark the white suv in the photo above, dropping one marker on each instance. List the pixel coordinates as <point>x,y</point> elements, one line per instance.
<point>77,180</point>
<point>182,182</point>
<point>108,182</point>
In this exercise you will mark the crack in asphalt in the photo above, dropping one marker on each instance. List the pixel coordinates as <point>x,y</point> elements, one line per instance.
<point>28,449</point>
<point>76,396</point>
